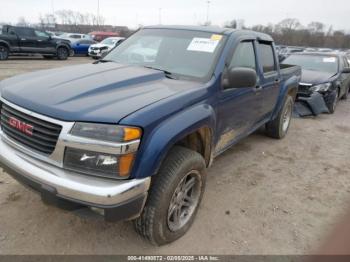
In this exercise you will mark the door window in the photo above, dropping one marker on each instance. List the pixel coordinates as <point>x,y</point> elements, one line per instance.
<point>244,56</point>
<point>25,32</point>
<point>41,34</point>
<point>267,58</point>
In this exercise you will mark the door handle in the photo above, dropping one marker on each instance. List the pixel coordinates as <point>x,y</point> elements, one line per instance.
<point>277,80</point>
<point>40,40</point>
<point>23,39</point>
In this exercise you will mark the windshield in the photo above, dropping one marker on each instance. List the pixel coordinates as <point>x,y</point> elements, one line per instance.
<point>183,53</point>
<point>109,41</point>
<point>320,63</point>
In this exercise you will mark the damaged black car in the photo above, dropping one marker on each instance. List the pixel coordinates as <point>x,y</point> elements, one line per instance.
<point>325,80</point>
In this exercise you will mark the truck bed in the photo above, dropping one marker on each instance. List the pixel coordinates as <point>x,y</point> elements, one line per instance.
<point>287,71</point>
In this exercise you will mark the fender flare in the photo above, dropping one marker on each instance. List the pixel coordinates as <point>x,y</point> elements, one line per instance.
<point>2,42</point>
<point>157,144</point>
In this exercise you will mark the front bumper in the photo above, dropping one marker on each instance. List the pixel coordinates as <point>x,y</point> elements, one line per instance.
<point>312,103</point>
<point>93,53</point>
<point>120,200</point>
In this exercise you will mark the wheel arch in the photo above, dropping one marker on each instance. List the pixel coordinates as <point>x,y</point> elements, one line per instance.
<point>4,43</point>
<point>179,130</point>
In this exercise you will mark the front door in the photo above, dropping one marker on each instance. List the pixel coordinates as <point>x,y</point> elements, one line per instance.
<point>239,109</point>
<point>44,43</point>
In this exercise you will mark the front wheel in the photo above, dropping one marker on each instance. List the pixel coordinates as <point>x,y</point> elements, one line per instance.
<point>4,53</point>
<point>278,127</point>
<point>174,198</point>
<point>62,53</point>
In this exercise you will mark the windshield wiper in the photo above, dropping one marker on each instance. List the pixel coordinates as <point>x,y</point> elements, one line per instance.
<point>167,73</point>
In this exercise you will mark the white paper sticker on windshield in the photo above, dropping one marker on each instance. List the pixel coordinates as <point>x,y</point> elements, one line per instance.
<point>329,60</point>
<point>203,45</point>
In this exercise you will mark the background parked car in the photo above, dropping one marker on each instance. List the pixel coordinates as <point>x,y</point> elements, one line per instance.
<point>97,50</point>
<point>285,52</point>
<point>325,73</point>
<point>25,40</point>
<point>55,34</point>
<point>81,47</point>
<point>73,37</point>
<point>100,36</point>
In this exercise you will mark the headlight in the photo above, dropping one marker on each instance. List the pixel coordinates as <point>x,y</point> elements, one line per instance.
<point>98,164</point>
<point>103,132</point>
<point>102,163</point>
<point>321,88</point>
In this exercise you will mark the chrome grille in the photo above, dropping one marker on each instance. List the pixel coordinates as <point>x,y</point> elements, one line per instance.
<point>44,134</point>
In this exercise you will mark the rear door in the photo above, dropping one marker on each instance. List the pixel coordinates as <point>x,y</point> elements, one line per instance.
<point>13,39</point>
<point>27,40</point>
<point>239,109</point>
<point>270,82</point>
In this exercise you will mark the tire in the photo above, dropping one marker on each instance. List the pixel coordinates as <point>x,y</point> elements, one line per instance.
<point>158,222</point>
<point>332,100</point>
<point>278,128</point>
<point>4,53</point>
<point>62,53</point>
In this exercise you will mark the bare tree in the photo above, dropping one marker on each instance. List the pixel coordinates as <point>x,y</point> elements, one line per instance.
<point>316,27</point>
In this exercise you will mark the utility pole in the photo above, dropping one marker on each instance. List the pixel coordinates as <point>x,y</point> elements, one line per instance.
<point>208,6</point>
<point>98,12</point>
<point>160,16</point>
<point>53,7</point>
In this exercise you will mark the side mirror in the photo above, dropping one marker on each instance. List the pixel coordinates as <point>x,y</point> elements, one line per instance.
<point>346,70</point>
<point>240,77</point>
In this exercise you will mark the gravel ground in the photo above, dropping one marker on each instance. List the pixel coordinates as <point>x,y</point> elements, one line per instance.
<point>263,197</point>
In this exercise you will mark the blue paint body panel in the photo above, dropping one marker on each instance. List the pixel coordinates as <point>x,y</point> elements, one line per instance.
<point>167,110</point>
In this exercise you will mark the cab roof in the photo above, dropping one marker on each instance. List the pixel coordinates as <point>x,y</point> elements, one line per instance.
<point>215,30</point>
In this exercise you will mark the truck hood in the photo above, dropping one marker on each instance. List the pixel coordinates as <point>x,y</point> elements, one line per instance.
<point>103,92</point>
<point>316,77</point>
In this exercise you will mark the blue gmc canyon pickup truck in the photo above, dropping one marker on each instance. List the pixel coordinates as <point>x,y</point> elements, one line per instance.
<point>130,136</point>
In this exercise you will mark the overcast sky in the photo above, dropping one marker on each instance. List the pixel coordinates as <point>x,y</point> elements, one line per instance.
<point>146,12</point>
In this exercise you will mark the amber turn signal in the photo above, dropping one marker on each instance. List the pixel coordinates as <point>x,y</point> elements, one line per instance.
<point>131,133</point>
<point>125,164</point>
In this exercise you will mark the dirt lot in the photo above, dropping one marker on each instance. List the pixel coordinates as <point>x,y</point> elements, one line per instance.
<point>263,197</point>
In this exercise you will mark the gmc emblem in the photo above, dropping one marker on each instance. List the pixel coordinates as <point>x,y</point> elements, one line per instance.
<point>21,126</point>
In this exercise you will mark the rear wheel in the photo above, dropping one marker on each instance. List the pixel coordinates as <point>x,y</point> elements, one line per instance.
<point>4,52</point>
<point>174,198</point>
<point>278,127</point>
<point>62,53</point>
